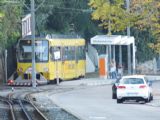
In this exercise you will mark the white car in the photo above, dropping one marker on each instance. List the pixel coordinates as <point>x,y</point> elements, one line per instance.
<point>134,87</point>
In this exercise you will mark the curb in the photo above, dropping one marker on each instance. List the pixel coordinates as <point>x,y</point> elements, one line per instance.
<point>155,102</point>
<point>89,82</point>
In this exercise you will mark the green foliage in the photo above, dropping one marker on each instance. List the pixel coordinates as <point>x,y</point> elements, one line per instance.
<point>143,18</point>
<point>148,12</point>
<point>1,15</point>
<point>142,38</point>
<point>111,14</point>
<point>63,17</point>
<point>9,24</point>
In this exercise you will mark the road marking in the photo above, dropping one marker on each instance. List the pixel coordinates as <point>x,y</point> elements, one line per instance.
<point>97,118</point>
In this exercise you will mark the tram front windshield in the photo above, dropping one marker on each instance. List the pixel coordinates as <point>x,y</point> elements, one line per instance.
<point>25,51</point>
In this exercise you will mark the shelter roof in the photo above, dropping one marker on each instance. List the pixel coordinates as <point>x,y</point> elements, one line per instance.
<point>112,40</point>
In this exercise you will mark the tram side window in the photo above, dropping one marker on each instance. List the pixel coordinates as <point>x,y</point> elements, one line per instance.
<point>81,53</point>
<point>69,53</point>
<point>53,50</point>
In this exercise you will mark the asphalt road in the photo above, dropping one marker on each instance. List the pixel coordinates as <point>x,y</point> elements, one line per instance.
<point>95,103</point>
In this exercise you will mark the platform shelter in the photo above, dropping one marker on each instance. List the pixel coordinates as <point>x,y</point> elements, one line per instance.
<point>113,40</point>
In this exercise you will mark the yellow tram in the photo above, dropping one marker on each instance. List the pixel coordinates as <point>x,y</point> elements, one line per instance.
<point>69,65</point>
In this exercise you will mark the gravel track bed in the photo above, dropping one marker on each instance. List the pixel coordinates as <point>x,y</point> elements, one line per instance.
<point>4,111</point>
<point>42,101</point>
<point>51,110</point>
<point>18,112</point>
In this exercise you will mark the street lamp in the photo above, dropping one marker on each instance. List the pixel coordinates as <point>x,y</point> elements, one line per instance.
<point>128,10</point>
<point>33,40</point>
<point>128,34</point>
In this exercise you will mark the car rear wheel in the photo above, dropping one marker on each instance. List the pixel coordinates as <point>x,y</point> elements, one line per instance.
<point>151,97</point>
<point>119,100</point>
<point>147,100</point>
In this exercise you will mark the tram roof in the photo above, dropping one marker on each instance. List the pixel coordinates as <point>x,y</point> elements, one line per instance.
<point>30,37</point>
<point>53,36</point>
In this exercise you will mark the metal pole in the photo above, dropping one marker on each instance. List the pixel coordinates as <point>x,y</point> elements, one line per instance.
<point>120,55</point>
<point>134,61</point>
<point>107,62</point>
<point>6,66</point>
<point>129,59</point>
<point>57,72</point>
<point>128,34</point>
<point>114,53</point>
<point>33,43</point>
<point>110,53</point>
<point>128,10</point>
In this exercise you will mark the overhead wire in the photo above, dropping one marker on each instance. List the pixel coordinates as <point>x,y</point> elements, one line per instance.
<point>43,5</point>
<point>69,9</point>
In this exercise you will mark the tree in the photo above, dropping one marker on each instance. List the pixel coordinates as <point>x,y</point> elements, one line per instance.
<point>63,17</point>
<point>143,17</point>
<point>1,15</point>
<point>9,26</point>
<point>111,14</point>
<point>148,12</point>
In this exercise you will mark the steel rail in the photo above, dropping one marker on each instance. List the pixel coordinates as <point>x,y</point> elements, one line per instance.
<point>11,110</point>
<point>24,110</point>
<point>10,107</point>
<point>30,101</point>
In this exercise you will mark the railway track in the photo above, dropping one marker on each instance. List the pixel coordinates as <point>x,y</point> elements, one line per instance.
<point>25,102</point>
<point>9,111</point>
<point>31,112</point>
<point>19,109</point>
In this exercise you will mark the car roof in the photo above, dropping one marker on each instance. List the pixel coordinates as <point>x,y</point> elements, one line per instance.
<point>134,76</point>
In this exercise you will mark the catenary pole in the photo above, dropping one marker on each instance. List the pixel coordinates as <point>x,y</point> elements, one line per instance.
<point>128,34</point>
<point>33,43</point>
<point>6,76</point>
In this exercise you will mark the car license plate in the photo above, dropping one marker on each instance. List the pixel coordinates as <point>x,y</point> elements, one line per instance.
<point>132,94</point>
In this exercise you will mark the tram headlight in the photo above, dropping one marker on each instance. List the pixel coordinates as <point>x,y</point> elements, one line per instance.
<point>20,69</point>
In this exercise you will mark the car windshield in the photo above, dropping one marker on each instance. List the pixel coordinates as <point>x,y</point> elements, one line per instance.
<point>132,81</point>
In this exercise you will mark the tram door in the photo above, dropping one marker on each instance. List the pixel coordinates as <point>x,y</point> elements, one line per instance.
<point>69,62</point>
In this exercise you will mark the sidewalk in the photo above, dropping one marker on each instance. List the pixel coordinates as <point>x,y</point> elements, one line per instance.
<point>156,98</point>
<point>155,102</point>
<point>153,77</point>
<point>89,82</point>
